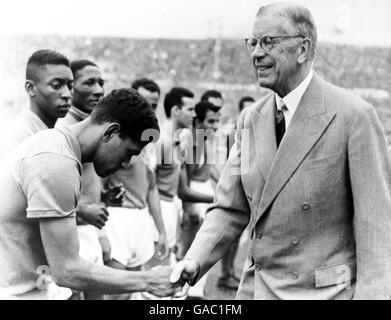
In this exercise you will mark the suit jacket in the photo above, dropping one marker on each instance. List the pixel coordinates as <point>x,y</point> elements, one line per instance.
<point>319,207</point>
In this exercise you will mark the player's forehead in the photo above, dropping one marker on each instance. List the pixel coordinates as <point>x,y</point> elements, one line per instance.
<point>89,72</point>
<point>187,102</point>
<point>49,72</point>
<point>151,96</point>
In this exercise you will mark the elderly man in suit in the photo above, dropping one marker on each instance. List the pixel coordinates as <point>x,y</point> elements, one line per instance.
<point>316,193</point>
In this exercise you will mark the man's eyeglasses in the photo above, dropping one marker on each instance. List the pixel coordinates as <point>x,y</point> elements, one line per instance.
<point>267,43</point>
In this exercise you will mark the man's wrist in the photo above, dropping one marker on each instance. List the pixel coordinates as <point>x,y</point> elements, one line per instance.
<point>144,279</point>
<point>198,268</point>
<point>163,235</point>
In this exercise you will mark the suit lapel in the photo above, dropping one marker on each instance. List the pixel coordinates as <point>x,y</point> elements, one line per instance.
<point>307,125</point>
<point>265,136</point>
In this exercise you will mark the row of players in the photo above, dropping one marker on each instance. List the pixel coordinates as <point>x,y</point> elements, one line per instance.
<point>147,212</point>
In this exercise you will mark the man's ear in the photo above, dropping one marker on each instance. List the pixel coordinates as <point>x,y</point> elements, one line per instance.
<point>175,111</point>
<point>111,130</point>
<point>30,88</point>
<point>304,51</point>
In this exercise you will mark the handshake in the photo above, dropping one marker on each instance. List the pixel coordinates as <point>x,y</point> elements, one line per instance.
<point>174,281</point>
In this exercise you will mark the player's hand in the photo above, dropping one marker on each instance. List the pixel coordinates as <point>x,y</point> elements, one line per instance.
<point>113,195</point>
<point>161,247</point>
<point>94,214</point>
<point>185,270</point>
<point>185,222</point>
<point>106,248</point>
<point>160,284</point>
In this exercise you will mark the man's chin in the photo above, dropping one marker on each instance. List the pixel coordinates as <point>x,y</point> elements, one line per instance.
<point>265,83</point>
<point>62,114</point>
<point>104,173</point>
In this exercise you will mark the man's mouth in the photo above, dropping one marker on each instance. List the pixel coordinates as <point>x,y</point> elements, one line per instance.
<point>65,106</point>
<point>263,67</point>
<point>94,102</point>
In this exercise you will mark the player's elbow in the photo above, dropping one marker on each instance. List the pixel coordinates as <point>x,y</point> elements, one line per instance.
<point>68,275</point>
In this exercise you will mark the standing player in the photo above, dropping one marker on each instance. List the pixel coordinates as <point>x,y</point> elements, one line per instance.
<point>49,85</point>
<point>90,212</point>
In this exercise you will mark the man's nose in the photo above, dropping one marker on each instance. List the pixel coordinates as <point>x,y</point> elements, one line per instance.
<point>66,93</point>
<point>98,90</point>
<point>258,51</point>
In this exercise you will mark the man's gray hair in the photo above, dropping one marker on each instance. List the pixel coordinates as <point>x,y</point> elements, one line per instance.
<point>300,18</point>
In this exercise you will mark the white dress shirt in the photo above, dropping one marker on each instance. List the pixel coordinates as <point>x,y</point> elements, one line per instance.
<point>292,99</point>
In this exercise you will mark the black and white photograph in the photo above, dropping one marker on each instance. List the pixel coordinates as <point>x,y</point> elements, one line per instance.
<point>176,150</point>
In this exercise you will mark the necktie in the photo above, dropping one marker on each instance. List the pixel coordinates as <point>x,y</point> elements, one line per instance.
<point>280,124</point>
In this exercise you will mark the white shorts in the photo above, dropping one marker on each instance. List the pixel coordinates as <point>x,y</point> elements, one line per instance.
<point>51,292</point>
<point>131,235</point>
<point>204,187</point>
<point>171,212</point>
<point>90,248</point>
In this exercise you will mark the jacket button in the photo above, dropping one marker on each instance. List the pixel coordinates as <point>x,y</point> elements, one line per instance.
<point>259,235</point>
<point>249,198</point>
<point>257,267</point>
<point>295,275</point>
<point>295,241</point>
<point>306,206</point>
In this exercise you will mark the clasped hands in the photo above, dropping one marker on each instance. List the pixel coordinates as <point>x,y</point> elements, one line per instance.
<point>173,281</point>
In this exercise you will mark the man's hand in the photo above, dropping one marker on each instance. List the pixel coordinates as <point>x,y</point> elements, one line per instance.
<point>161,247</point>
<point>94,214</point>
<point>185,271</point>
<point>160,284</point>
<point>185,223</point>
<point>113,195</point>
<point>106,248</point>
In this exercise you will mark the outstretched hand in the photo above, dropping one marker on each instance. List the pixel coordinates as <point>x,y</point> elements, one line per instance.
<point>161,286</point>
<point>185,271</point>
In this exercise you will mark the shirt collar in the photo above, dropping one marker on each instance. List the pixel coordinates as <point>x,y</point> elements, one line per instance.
<point>78,114</point>
<point>38,123</point>
<point>292,99</point>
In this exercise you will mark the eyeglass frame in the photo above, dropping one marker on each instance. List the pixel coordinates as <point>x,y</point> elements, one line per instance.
<point>272,39</point>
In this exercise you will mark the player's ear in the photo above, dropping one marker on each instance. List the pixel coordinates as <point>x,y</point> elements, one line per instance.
<point>175,110</point>
<point>111,130</point>
<point>30,88</point>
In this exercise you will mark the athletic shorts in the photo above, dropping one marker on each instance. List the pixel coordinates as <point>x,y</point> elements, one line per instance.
<point>90,248</point>
<point>131,235</point>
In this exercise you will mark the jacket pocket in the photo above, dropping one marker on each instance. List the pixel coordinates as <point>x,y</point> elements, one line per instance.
<point>340,274</point>
<point>324,161</point>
